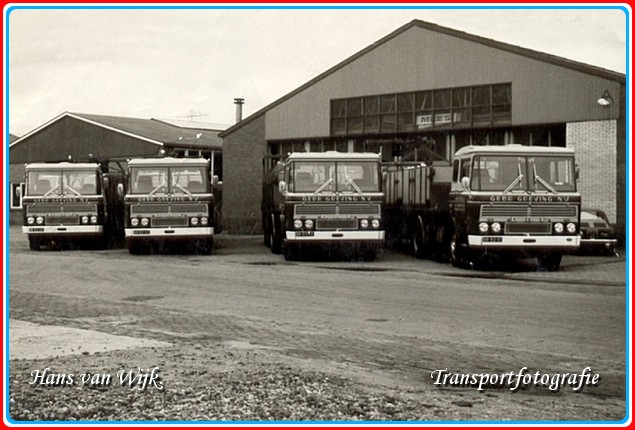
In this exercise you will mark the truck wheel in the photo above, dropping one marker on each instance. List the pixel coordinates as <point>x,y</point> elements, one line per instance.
<point>419,240</point>
<point>549,262</point>
<point>276,234</point>
<point>34,243</point>
<point>457,257</point>
<point>291,253</point>
<point>266,229</point>
<point>207,246</point>
<point>135,247</point>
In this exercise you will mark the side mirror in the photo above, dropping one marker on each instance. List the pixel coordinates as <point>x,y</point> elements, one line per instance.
<point>106,182</point>
<point>577,173</point>
<point>120,189</point>
<point>215,180</point>
<point>465,182</point>
<point>18,191</point>
<point>282,186</point>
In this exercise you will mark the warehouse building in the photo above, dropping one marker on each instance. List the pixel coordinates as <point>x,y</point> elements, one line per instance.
<point>427,89</point>
<point>82,136</point>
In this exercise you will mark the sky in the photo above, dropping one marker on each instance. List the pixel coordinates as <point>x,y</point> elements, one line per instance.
<point>191,64</point>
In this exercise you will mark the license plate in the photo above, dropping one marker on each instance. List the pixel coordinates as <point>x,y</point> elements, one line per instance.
<point>304,233</point>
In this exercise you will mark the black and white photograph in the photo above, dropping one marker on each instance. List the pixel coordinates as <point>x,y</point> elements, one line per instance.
<point>317,214</point>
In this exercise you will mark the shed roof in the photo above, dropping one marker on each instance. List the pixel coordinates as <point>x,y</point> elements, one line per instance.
<point>537,55</point>
<point>154,131</point>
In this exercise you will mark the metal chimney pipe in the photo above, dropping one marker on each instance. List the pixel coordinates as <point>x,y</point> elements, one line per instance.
<point>239,109</point>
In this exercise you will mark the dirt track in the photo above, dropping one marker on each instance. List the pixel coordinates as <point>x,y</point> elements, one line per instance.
<point>375,331</point>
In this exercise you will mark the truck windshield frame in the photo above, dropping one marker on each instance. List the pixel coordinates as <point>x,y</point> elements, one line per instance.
<point>168,180</point>
<point>72,182</point>
<point>523,173</point>
<point>352,177</point>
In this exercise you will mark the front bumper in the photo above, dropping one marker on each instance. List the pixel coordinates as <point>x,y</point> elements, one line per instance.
<point>59,230</point>
<point>524,242</point>
<point>165,233</point>
<point>335,236</point>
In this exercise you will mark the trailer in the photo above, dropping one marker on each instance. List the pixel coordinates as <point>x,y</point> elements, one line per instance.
<point>500,201</point>
<point>171,201</point>
<point>71,205</point>
<point>327,200</point>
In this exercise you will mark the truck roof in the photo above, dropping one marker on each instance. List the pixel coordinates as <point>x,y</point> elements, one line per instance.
<point>168,161</point>
<point>65,165</point>
<point>333,155</point>
<point>513,149</point>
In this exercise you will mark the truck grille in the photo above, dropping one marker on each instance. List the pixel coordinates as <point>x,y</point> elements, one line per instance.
<point>528,227</point>
<point>180,221</point>
<point>336,223</point>
<point>184,208</point>
<point>342,209</point>
<point>66,207</point>
<point>504,211</point>
<point>62,220</point>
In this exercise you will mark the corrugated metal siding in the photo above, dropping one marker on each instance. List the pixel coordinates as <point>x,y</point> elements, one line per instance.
<point>69,136</point>
<point>420,59</point>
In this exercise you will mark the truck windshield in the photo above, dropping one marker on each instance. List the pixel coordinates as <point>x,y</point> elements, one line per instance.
<point>162,180</point>
<point>355,177</point>
<point>508,173</point>
<point>62,183</point>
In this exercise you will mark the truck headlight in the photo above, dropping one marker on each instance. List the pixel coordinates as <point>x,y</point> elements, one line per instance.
<point>30,220</point>
<point>145,222</point>
<point>571,227</point>
<point>297,224</point>
<point>39,220</point>
<point>364,223</point>
<point>194,220</point>
<point>204,220</point>
<point>134,222</point>
<point>374,223</point>
<point>559,228</point>
<point>496,227</point>
<point>483,227</point>
<point>85,219</point>
<point>93,219</point>
<point>308,223</point>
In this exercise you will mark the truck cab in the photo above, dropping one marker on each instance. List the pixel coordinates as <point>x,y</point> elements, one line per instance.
<point>514,200</point>
<point>330,199</point>
<point>65,204</point>
<point>169,200</point>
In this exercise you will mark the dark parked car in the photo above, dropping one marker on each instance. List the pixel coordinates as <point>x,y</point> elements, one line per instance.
<point>598,237</point>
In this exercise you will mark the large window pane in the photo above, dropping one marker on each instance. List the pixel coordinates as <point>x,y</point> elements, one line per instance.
<point>371,105</point>
<point>371,124</point>
<point>338,126</point>
<point>338,108</point>
<point>502,94</point>
<point>388,123</point>
<point>387,104</point>
<point>405,122</point>
<point>354,107</point>
<point>461,97</point>
<point>355,124</point>
<point>423,100</point>
<point>405,102</point>
<point>442,99</point>
<point>480,96</point>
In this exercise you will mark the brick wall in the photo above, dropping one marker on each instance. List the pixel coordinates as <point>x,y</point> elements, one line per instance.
<point>595,143</point>
<point>243,152</point>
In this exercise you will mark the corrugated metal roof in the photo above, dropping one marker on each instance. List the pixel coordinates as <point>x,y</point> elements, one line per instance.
<point>154,131</point>
<point>540,56</point>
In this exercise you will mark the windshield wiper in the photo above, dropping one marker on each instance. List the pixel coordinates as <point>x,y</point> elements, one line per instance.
<point>49,192</point>
<point>163,184</point>
<point>350,181</point>
<point>185,190</point>
<point>324,185</point>
<point>515,182</point>
<point>71,189</point>
<point>542,182</point>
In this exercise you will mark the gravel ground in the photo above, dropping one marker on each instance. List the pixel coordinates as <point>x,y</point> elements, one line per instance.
<point>221,383</point>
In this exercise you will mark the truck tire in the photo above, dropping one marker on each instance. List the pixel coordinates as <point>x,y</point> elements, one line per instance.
<point>549,262</point>
<point>457,255</point>
<point>276,234</point>
<point>419,240</point>
<point>266,230</point>
<point>34,243</point>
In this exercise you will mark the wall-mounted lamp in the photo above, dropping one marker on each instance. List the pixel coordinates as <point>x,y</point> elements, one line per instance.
<point>606,99</point>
